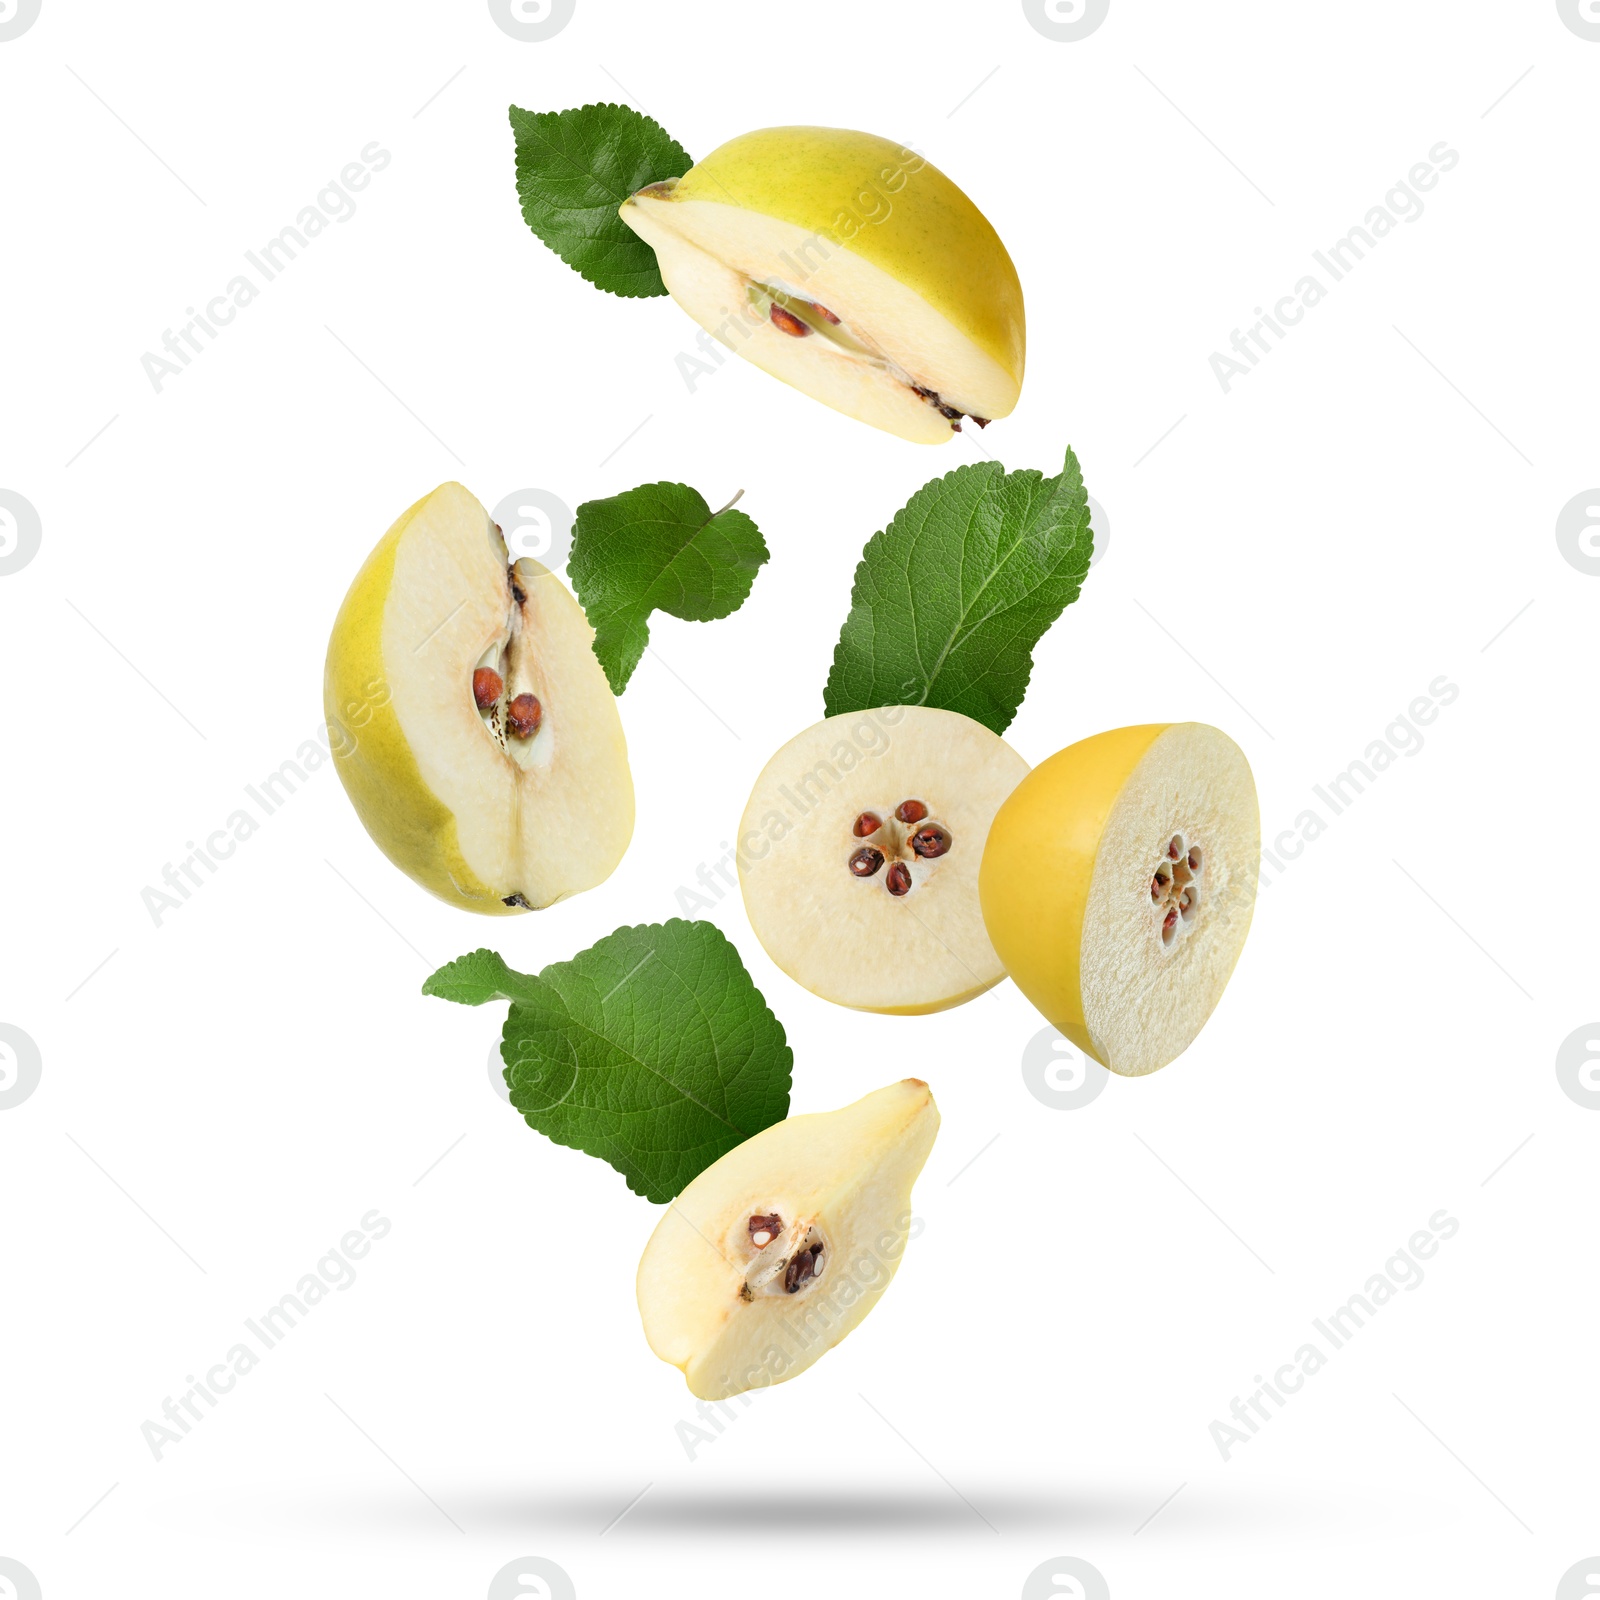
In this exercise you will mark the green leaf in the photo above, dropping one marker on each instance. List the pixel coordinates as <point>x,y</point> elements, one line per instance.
<point>657,548</point>
<point>652,1049</point>
<point>953,595</point>
<point>574,168</point>
<point>476,979</point>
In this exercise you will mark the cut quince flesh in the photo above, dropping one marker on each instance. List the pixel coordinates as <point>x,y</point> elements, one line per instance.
<point>1118,885</point>
<point>859,854</point>
<point>473,727</point>
<point>848,267</point>
<point>778,1250</point>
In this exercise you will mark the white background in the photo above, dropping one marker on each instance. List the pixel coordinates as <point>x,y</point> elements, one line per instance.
<point>225,1095</point>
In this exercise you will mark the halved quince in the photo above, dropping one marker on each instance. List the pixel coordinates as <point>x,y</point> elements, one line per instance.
<point>778,1250</point>
<point>473,727</point>
<point>849,267</point>
<point>1118,884</point>
<point>859,852</point>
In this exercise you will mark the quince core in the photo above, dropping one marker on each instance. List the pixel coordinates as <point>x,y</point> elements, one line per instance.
<point>859,855</point>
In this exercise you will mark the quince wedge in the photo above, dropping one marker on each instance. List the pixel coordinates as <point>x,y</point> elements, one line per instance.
<point>849,267</point>
<point>778,1250</point>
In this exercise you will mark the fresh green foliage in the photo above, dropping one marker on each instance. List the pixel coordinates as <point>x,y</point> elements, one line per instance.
<point>657,548</point>
<point>652,1049</point>
<point>953,595</point>
<point>574,168</point>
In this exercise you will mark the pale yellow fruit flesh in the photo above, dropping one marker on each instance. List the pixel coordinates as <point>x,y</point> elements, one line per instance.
<point>842,1177</point>
<point>475,819</point>
<point>924,289</point>
<point>1068,878</point>
<point>846,938</point>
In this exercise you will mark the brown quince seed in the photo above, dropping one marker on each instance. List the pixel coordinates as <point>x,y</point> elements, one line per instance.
<point>806,1265</point>
<point>911,811</point>
<point>866,861</point>
<point>787,322</point>
<point>898,879</point>
<point>523,716</point>
<point>487,687</point>
<point>930,842</point>
<point>866,824</point>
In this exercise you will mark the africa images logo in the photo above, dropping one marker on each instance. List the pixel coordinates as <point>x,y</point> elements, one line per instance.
<point>16,17</point>
<point>1065,21</point>
<point>532,21</point>
<point>21,532</point>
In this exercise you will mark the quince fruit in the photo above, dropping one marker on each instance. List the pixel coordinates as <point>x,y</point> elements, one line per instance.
<point>472,726</point>
<point>777,1251</point>
<point>1118,883</point>
<point>849,267</point>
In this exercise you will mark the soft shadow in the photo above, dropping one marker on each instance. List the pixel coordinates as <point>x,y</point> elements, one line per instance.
<point>665,1512</point>
<point>622,1511</point>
